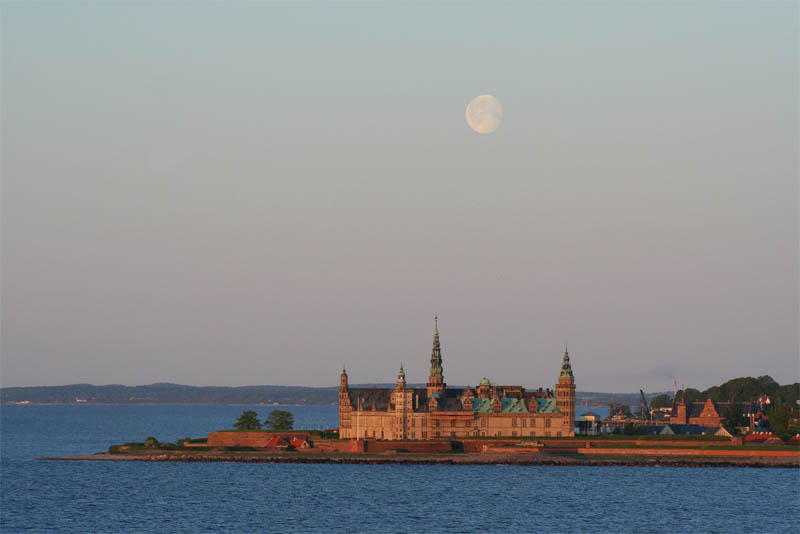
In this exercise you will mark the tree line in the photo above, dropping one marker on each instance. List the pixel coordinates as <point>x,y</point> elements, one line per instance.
<point>276,420</point>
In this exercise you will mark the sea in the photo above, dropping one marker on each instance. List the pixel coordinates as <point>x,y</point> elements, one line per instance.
<point>85,496</point>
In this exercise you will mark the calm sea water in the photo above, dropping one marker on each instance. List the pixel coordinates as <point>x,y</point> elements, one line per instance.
<point>40,496</point>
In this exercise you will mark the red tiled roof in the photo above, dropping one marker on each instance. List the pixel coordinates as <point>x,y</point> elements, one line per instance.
<point>758,437</point>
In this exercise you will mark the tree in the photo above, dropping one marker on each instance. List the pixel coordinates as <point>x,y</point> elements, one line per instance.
<point>734,418</point>
<point>623,409</point>
<point>247,421</point>
<point>279,420</point>
<point>780,420</point>
<point>690,395</point>
<point>661,401</point>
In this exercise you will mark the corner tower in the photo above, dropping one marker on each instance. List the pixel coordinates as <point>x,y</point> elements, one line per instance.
<point>436,383</point>
<point>565,395</point>
<point>345,408</point>
<point>401,398</point>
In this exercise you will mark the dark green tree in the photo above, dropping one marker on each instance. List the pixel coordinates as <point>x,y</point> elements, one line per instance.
<point>780,420</point>
<point>247,421</point>
<point>734,418</point>
<point>623,409</point>
<point>691,395</point>
<point>279,420</point>
<point>661,401</point>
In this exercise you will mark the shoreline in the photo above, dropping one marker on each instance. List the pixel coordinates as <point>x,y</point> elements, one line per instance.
<point>466,459</point>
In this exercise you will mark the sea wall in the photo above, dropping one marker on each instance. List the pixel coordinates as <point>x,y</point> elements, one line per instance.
<point>688,452</point>
<point>231,438</point>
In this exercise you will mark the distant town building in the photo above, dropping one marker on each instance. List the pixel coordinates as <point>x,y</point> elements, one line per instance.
<point>693,430</point>
<point>589,424</point>
<point>712,414</point>
<point>440,412</point>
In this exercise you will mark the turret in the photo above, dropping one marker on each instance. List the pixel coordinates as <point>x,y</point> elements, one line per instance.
<point>401,378</point>
<point>345,408</point>
<point>565,394</point>
<point>678,416</point>
<point>436,379</point>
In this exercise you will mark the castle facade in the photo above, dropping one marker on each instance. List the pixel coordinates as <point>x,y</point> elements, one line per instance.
<point>440,412</point>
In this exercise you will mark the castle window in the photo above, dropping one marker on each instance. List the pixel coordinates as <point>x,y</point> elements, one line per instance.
<point>547,423</point>
<point>452,434</point>
<point>424,435</point>
<point>437,435</point>
<point>436,424</point>
<point>524,422</point>
<point>424,423</point>
<point>533,433</point>
<point>413,435</point>
<point>513,433</point>
<point>513,421</point>
<point>381,434</point>
<point>483,421</point>
<point>413,422</point>
<point>452,423</point>
<point>558,434</point>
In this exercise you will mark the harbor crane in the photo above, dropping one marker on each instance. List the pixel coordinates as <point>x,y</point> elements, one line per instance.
<point>644,409</point>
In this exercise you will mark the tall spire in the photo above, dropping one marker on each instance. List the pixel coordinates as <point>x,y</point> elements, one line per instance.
<point>566,367</point>
<point>436,351</point>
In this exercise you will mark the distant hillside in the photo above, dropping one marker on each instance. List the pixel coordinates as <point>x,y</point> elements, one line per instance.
<point>746,389</point>
<point>168,394</point>
<point>164,393</point>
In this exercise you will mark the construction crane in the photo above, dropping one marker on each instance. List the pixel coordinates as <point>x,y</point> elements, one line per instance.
<point>644,410</point>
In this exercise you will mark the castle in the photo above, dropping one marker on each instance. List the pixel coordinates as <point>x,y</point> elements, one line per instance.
<point>440,412</point>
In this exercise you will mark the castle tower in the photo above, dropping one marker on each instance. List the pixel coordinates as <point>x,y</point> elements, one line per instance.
<point>345,408</point>
<point>565,395</point>
<point>679,415</point>
<point>436,383</point>
<point>402,399</point>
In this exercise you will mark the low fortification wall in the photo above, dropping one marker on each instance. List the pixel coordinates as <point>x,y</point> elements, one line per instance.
<point>688,452</point>
<point>433,446</point>
<point>229,438</point>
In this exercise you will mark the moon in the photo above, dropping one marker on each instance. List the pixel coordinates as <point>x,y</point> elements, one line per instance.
<point>484,114</point>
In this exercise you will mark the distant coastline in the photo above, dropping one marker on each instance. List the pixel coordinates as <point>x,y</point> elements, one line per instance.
<point>177,394</point>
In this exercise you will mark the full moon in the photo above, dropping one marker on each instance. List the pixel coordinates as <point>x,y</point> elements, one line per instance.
<point>484,114</point>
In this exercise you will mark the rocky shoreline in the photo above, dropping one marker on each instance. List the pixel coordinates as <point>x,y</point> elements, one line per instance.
<point>470,459</point>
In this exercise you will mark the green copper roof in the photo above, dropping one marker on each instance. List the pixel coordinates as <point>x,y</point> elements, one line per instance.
<point>566,368</point>
<point>547,406</point>
<point>511,405</point>
<point>484,382</point>
<point>436,351</point>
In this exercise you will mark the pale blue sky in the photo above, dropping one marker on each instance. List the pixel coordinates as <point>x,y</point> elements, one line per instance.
<point>256,193</point>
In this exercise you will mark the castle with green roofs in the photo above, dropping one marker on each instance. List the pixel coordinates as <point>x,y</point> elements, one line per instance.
<point>440,412</point>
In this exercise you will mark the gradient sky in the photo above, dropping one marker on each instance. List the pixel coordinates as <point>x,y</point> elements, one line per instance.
<point>218,194</point>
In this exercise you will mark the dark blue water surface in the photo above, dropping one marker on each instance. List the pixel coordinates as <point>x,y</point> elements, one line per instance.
<point>49,496</point>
